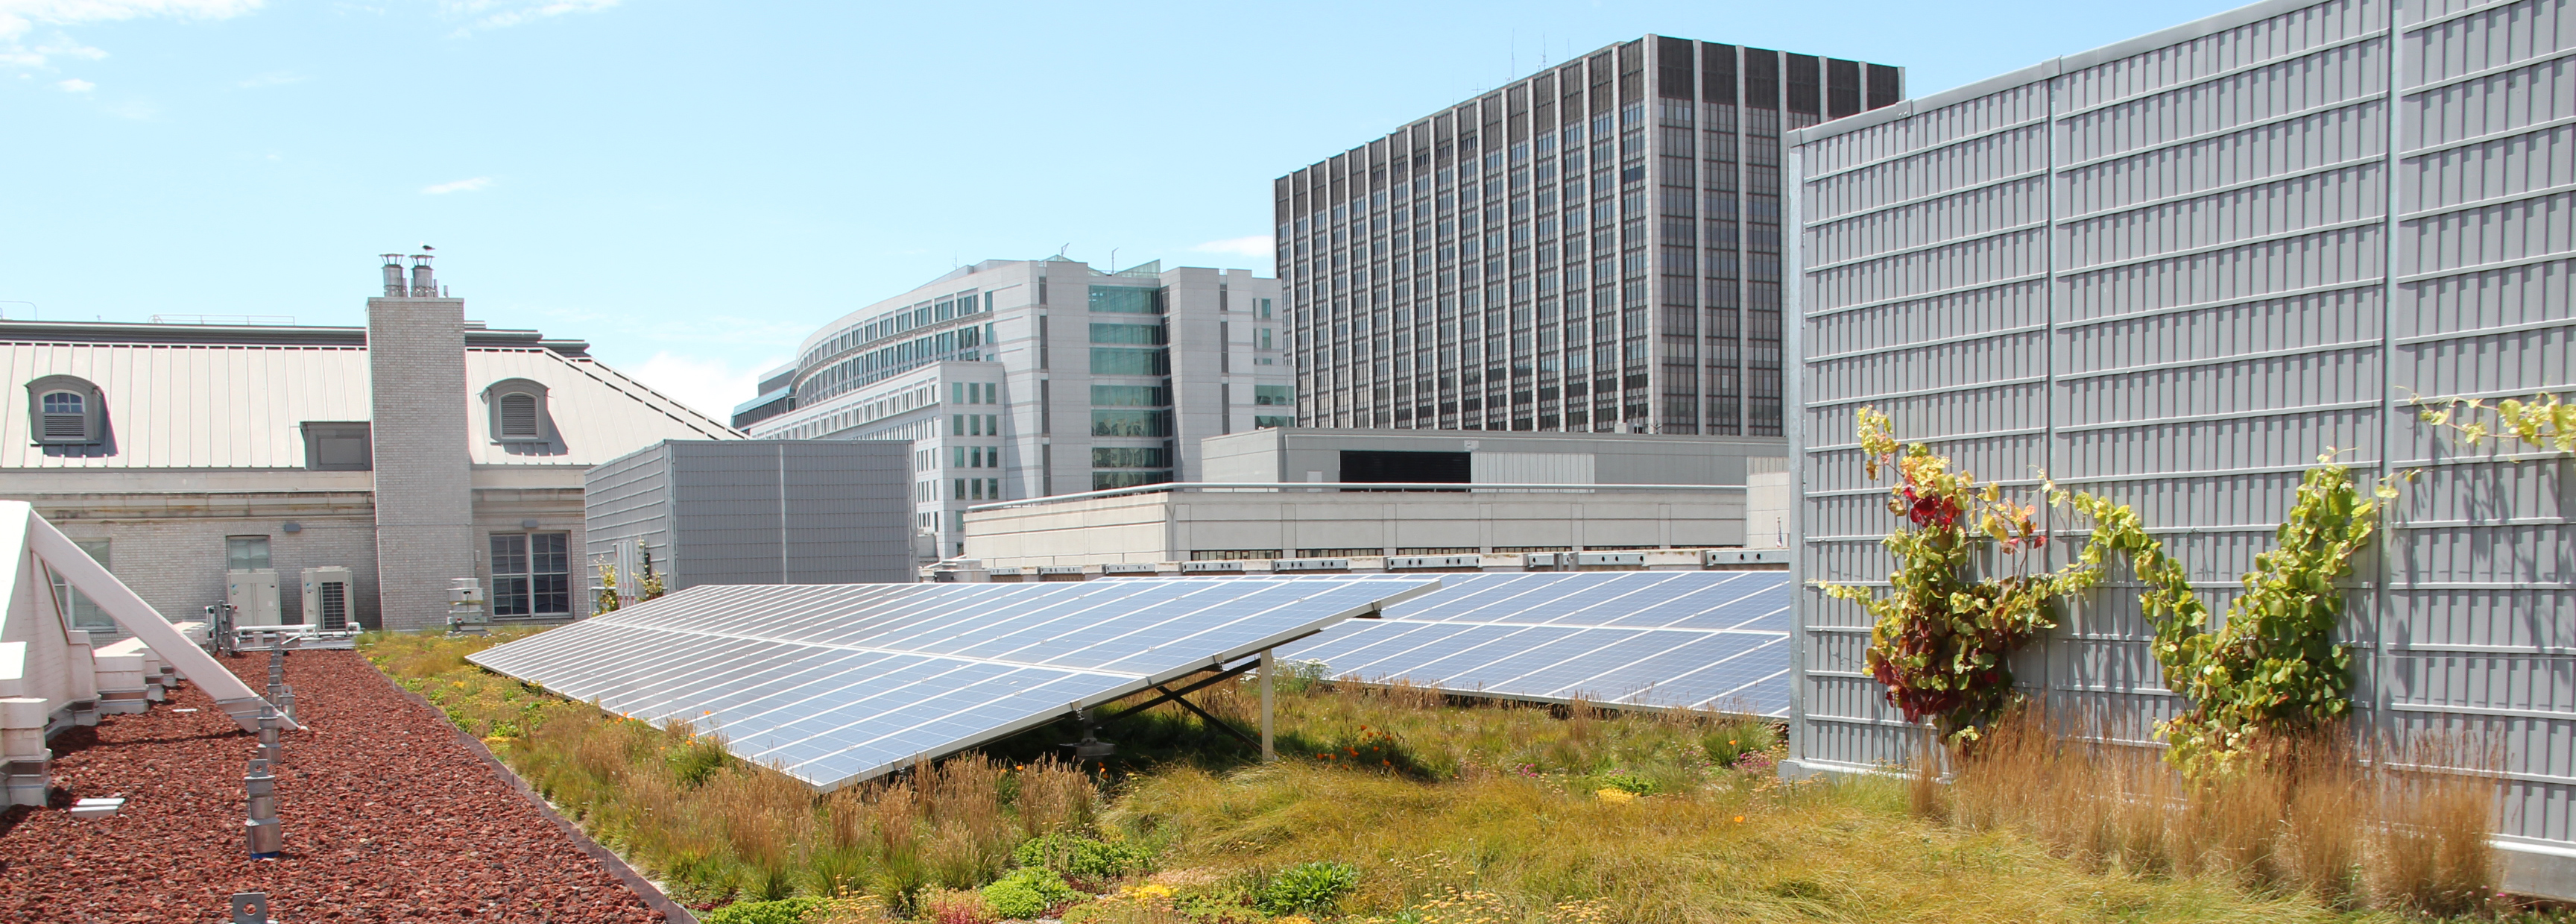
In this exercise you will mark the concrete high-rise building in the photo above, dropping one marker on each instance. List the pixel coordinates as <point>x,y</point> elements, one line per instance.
<point>1024,378</point>
<point>1595,247</point>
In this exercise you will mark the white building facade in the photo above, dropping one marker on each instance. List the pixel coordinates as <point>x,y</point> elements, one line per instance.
<point>1025,378</point>
<point>416,450</point>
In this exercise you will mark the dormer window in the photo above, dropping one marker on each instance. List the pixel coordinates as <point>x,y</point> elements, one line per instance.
<point>519,416</point>
<point>66,416</point>
<point>64,410</point>
<point>518,412</point>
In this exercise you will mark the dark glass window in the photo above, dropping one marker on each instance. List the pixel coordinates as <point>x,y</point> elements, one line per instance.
<point>1127,299</point>
<point>1130,423</point>
<point>1118,361</point>
<point>1127,333</point>
<point>1103,481</point>
<point>1129,457</point>
<point>1128,396</point>
<point>531,574</point>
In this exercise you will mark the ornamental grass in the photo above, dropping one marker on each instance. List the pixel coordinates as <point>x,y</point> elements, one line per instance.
<point>2348,827</point>
<point>1451,811</point>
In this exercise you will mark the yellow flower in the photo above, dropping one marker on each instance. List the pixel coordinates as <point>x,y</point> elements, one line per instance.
<point>1615,796</point>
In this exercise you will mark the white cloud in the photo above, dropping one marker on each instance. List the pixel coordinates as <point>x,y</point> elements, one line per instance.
<point>502,14</point>
<point>1255,246</point>
<point>712,386</point>
<point>475,184</point>
<point>19,18</point>
<point>75,85</point>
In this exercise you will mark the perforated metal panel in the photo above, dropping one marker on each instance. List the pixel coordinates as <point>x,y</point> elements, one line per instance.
<point>2174,270</point>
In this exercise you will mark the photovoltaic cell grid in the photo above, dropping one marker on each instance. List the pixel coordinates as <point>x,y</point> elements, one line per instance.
<point>1701,639</point>
<point>836,684</point>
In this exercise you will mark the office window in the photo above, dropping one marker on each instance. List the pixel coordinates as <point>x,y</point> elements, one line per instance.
<point>1127,299</point>
<point>1266,421</point>
<point>78,608</point>
<point>1130,423</point>
<point>1129,457</point>
<point>1274,394</point>
<point>1102,481</point>
<point>531,574</point>
<point>245,553</point>
<point>1128,396</point>
<point>1127,333</point>
<point>1117,361</point>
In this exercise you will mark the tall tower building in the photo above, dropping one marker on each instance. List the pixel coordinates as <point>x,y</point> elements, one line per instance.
<point>1015,379</point>
<point>1595,247</point>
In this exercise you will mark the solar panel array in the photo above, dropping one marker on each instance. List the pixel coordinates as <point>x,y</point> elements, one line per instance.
<point>1699,639</point>
<point>836,684</point>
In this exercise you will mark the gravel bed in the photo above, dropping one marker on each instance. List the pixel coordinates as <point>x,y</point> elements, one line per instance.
<point>388,817</point>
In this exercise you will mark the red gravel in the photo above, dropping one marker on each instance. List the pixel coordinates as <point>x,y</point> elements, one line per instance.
<point>388,817</point>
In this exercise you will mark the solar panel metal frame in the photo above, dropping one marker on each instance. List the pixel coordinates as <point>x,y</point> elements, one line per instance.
<point>1490,597</point>
<point>642,668</point>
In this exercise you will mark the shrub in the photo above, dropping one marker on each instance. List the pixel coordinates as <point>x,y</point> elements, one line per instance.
<point>1626,782</point>
<point>1082,860</point>
<point>1298,675</point>
<point>698,757</point>
<point>863,909</point>
<point>1375,749</point>
<point>782,911</point>
<point>1729,742</point>
<point>950,906</point>
<point>1028,892</point>
<point>1312,886</point>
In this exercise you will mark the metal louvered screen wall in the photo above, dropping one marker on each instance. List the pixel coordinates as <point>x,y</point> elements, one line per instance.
<point>2174,270</point>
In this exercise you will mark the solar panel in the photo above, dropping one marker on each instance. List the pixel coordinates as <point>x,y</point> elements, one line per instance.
<point>1698,639</point>
<point>836,684</point>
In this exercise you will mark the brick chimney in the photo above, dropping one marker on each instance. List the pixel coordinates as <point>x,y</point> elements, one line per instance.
<point>424,479</point>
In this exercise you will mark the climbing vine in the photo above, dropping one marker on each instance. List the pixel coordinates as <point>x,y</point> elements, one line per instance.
<point>608,601</point>
<point>2544,421</point>
<point>1942,635</point>
<point>2272,669</point>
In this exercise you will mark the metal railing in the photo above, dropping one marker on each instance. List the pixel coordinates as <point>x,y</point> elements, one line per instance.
<point>1319,486</point>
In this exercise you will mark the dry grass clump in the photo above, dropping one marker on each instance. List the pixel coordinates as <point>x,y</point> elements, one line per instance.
<point>2311,815</point>
<point>714,828</point>
<point>1507,848</point>
<point>1454,812</point>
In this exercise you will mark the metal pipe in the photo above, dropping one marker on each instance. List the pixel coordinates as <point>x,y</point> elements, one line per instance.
<point>271,750</point>
<point>261,832</point>
<point>1269,667</point>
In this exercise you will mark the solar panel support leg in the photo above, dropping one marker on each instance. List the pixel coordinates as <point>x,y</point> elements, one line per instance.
<point>1268,664</point>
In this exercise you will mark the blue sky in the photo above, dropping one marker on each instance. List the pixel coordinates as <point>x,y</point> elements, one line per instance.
<point>694,186</point>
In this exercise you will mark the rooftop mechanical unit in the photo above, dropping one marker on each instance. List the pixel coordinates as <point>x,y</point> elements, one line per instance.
<point>326,598</point>
<point>253,594</point>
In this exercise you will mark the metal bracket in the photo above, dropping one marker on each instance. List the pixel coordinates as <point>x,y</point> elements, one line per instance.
<point>1175,696</point>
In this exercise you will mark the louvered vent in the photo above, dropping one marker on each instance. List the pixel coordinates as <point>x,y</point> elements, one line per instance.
<point>519,415</point>
<point>66,426</point>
